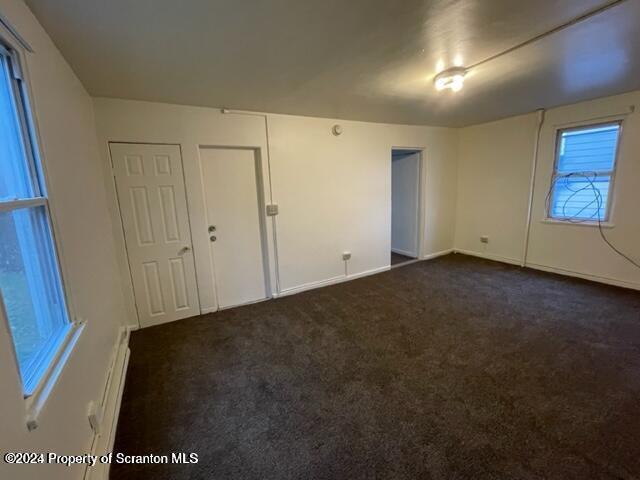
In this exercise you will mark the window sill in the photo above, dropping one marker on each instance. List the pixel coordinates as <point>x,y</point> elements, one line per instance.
<point>37,400</point>
<point>553,221</point>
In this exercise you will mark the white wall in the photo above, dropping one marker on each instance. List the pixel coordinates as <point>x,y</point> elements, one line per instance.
<point>64,114</point>
<point>405,179</point>
<point>494,170</point>
<point>334,192</point>
<point>493,188</point>
<point>189,127</point>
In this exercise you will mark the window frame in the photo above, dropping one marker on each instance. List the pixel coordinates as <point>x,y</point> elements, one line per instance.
<point>57,354</point>
<point>586,125</point>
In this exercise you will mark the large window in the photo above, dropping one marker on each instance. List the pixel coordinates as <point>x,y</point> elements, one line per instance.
<point>31,293</point>
<point>584,169</point>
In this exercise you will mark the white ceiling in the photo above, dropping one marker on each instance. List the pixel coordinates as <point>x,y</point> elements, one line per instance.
<point>368,60</point>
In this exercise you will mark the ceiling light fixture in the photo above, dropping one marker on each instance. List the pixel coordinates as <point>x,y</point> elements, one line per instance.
<point>451,78</point>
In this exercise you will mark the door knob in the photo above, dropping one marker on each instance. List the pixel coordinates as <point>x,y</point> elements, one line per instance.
<point>213,238</point>
<point>184,250</point>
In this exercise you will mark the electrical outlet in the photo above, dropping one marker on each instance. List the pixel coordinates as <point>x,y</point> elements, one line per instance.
<point>346,256</point>
<point>484,239</point>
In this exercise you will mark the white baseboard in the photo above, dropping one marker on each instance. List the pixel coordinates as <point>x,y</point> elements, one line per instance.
<point>353,276</point>
<point>244,304</point>
<point>366,273</point>
<point>330,281</point>
<point>204,311</point>
<point>586,276</point>
<point>407,262</point>
<point>341,278</point>
<point>557,270</point>
<point>441,253</point>
<point>489,256</point>
<point>310,286</point>
<point>406,253</point>
<point>114,386</point>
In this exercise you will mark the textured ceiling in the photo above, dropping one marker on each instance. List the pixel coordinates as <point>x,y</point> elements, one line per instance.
<point>368,60</point>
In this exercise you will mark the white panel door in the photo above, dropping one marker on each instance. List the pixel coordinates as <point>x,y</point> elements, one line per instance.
<point>153,205</point>
<point>233,210</point>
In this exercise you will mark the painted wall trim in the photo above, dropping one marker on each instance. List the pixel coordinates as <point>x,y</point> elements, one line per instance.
<point>103,440</point>
<point>408,262</point>
<point>36,403</point>
<point>4,21</point>
<point>366,273</point>
<point>420,200</point>
<point>441,253</point>
<point>557,270</point>
<point>250,302</point>
<point>353,276</point>
<point>276,266</point>
<point>330,281</point>
<point>489,256</point>
<point>406,253</point>
<point>586,276</point>
<point>310,286</point>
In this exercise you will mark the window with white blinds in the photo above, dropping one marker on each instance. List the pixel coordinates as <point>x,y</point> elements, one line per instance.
<point>584,169</point>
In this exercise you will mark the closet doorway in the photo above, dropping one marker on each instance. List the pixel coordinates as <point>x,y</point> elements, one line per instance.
<point>405,205</point>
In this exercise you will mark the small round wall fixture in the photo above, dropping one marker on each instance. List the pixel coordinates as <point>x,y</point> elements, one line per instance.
<point>337,130</point>
<point>451,78</point>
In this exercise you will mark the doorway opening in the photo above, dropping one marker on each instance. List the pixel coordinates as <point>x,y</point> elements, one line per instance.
<point>405,206</point>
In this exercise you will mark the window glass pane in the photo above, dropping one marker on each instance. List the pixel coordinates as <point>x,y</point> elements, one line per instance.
<point>15,176</point>
<point>588,150</point>
<point>580,197</point>
<point>30,287</point>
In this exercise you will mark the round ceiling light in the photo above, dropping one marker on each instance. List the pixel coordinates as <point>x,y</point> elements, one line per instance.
<point>451,78</point>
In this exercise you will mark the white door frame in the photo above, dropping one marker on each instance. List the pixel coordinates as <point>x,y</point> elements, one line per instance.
<point>420,208</point>
<point>264,244</point>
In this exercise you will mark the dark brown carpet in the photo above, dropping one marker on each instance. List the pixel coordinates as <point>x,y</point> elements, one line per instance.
<point>455,368</point>
<point>396,258</point>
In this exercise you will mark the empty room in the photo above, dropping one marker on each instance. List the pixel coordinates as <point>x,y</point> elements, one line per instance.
<point>300,239</point>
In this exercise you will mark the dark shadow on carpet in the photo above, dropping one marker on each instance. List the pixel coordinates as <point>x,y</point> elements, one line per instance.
<point>397,259</point>
<point>455,368</point>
